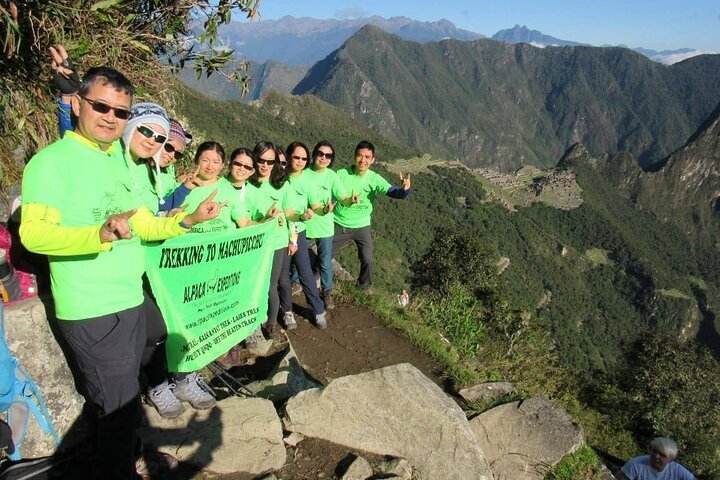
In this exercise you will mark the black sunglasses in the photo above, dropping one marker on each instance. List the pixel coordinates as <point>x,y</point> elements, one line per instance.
<point>329,156</point>
<point>148,132</point>
<point>261,161</point>
<point>298,157</point>
<point>104,108</point>
<point>170,149</point>
<point>249,168</point>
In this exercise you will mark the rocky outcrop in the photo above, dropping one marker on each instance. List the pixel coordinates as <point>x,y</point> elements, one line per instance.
<point>392,411</point>
<point>237,435</point>
<point>487,392</point>
<point>521,440</point>
<point>31,341</point>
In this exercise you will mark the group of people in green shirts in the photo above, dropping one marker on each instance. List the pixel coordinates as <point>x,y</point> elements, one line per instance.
<point>92,199</point>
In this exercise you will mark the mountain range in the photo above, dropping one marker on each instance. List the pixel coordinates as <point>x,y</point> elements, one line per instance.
<point>304,41</point>
<point>522,34</point>
<point>489,103</point>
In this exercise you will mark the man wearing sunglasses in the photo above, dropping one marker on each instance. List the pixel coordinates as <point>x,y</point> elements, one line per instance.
<point>352,219</point>
<point>81,209</point>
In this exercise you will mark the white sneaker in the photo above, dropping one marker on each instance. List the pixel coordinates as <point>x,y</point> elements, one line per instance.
<point>289,321</point>
<point>164,401</point>
<point>194,390</point>
<point>320,321</point>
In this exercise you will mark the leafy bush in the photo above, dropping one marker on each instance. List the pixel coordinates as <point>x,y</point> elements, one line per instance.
<point>670,388</point>
<point>458,317</point>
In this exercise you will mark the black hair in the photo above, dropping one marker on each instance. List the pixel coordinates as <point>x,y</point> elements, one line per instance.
<point>106,76</point>
<point>365,144</point>
<point>278,177</point>
<point>210,145</point>
<point>316,149</point>
<point>291,148</point>
<point>236,153</point>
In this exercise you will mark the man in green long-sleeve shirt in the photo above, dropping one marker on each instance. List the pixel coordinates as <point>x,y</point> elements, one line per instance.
<point>82,208</point>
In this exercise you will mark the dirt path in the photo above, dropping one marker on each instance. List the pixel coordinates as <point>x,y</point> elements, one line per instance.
<point>354,342</point>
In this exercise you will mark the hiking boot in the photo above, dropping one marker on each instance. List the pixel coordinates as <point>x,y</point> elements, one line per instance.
<point>194,390</point>
<point>289,321</point>
<point>320,321</point>
<point>273,332</point>
<point>327,298</point>
<point>164,400</point>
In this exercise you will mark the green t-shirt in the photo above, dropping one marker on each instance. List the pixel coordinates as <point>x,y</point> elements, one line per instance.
<point>367,186</point>
<point>142,182</point>
<point>263,198</point>
<point>167,182</point>
<point>86,185</point>
<point>330,189</point>
<point>228,214</point>
<point>305,194</point>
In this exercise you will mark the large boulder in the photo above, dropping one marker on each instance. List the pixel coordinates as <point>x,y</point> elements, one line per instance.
<point>237,435</point>
<point>31,341</point>
<point>522,439</point>
<point>393,411</point>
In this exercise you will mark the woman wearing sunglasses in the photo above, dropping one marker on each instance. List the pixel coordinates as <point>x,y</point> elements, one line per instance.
<point>306,202</point>
<point>322,227</point>
<point>272,199</point>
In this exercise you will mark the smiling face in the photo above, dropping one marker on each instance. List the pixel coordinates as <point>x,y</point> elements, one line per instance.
<point>211,164</point>
<point>265,164</point>
<point>145,147</point>
<point>323,157</point>
<point>241,167</point>
<point>101,128</point>
<point>364,158</point>
<point>172,151</point>
<point>298,160</point>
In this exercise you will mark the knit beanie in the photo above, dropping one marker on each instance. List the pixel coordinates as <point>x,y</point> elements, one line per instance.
<point>178,133</point>
<point>146,113</point>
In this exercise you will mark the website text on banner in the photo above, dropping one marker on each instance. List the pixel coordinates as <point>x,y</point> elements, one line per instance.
<point>212,291</point>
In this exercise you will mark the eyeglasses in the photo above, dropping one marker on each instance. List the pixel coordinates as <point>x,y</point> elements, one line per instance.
<point>170,149</point>
<point>299,158</point>
<point>148,132</point>
<point>249,168</point>
<point>103,108</point>
<point>261,161</point>
<point>283,164</point>
<point>328,156</point>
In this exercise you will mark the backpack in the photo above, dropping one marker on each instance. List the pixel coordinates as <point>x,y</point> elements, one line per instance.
<point>20,396</point>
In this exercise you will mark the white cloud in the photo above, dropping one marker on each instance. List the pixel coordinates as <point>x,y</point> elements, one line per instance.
<point>346,13</point>
<point>669,59</point>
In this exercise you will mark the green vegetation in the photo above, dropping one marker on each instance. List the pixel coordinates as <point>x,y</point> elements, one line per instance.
<point>575,466</point>
<point>494,104</point>
<point>126,34</point>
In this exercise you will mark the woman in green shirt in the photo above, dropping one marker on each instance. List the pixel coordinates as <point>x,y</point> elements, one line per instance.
<point>306,202</point>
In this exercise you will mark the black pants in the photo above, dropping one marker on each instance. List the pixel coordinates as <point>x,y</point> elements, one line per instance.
<point>280,294</point>
<point>108,350</point>
<point>363,239</point>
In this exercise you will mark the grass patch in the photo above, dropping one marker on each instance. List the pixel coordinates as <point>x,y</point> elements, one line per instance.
<point>674,293</point>
<point>575,466</point>
<point>408,321</point>
<point>477,407</point>
<point>597,256</point>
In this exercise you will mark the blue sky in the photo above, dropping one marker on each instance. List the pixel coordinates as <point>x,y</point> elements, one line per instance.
<point>657,24</point>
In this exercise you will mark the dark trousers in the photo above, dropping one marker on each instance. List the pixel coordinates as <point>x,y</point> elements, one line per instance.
<point>108,351</point>
<point>363,239</point>
<point>301,261</point>
<point>154,359</point>
<point>280,294</point>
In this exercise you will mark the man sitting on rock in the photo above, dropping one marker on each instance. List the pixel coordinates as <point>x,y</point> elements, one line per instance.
<point>658,465</point>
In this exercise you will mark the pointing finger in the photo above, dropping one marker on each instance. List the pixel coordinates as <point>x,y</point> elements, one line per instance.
<point>126,215</point>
